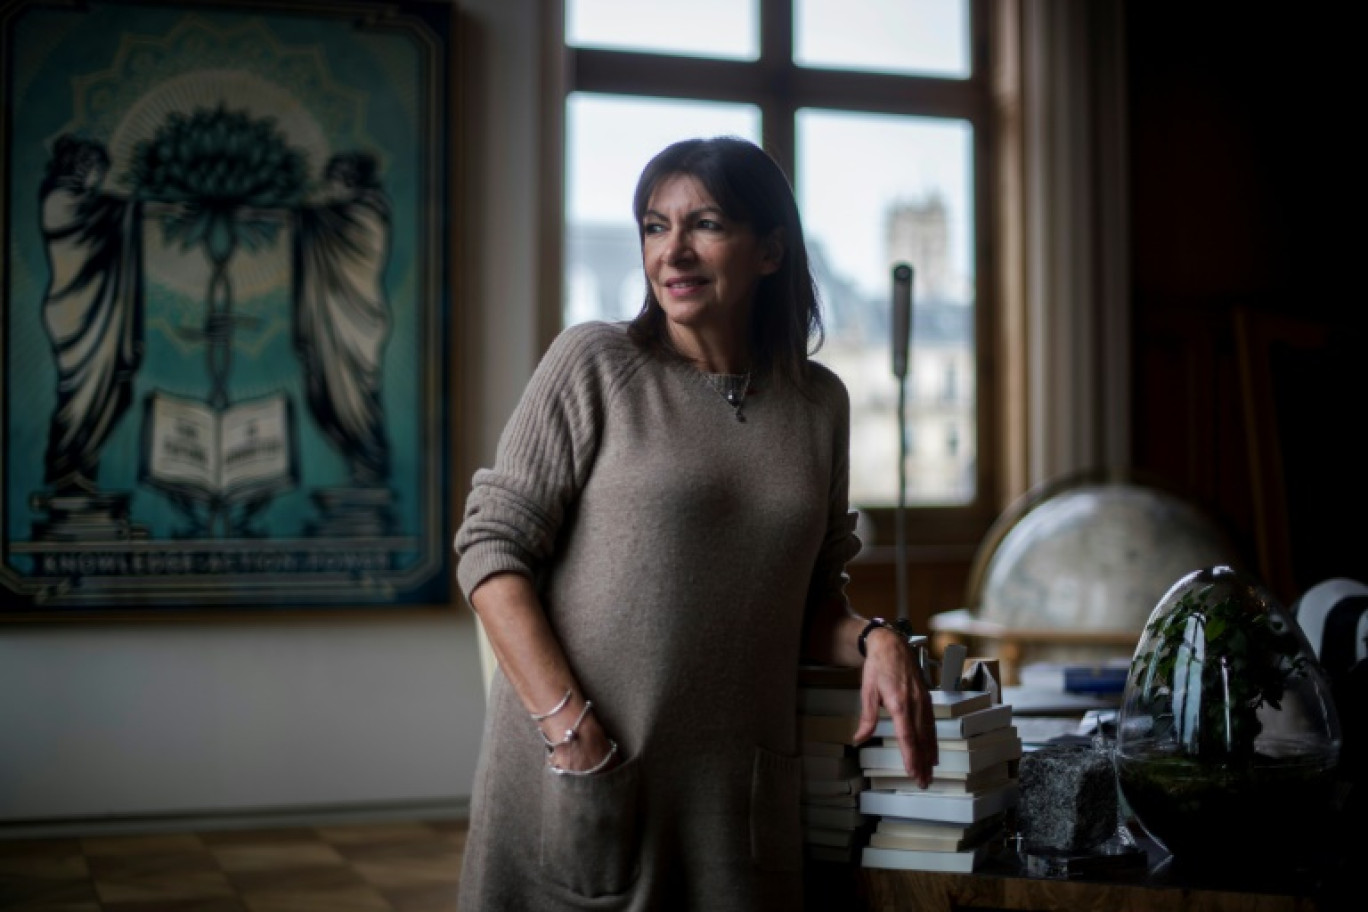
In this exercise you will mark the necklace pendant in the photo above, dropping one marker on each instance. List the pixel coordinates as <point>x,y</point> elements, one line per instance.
<point>733,389</point>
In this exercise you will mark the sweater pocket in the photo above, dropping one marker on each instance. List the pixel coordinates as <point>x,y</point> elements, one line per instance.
<point>775,824</point>
<point>590,830</point>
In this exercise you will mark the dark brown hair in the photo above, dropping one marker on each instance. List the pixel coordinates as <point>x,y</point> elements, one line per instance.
<point>750,187</point>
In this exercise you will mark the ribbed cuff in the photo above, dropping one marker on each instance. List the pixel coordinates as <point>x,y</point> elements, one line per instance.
<point>486,559</point>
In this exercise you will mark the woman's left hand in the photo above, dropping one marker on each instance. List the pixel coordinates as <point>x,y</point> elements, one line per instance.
<point>893,679</point>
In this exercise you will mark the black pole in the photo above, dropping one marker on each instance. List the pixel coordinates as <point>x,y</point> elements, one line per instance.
<point>902,334</point>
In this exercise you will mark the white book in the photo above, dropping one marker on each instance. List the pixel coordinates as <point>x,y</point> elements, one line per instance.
<point>951,704</point>
<point>996,736</point>
<point>969,761</point>
<point>972,782</point>
<point>965,726</point>
<point>950,808</point>
<point>845,701</point>
<point>949,842</point>
<point>893,772</point>
<point>939,829</point>
<point>965,860</point>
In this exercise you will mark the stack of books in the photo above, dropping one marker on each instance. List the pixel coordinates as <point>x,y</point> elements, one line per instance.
<point>834,827</point>
<point>950,825</point>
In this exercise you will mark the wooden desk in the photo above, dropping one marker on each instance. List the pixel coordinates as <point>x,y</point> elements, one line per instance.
<point>927,891</point>
<point>999,887</point>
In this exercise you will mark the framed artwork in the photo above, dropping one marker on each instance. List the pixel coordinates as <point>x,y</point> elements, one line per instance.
<point>1307,484</point>
<point>227,307</point>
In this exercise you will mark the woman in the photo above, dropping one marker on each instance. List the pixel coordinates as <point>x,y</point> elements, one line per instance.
<point>661,540</point>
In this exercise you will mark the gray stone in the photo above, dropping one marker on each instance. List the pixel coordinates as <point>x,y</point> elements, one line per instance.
<point>1068,797</point>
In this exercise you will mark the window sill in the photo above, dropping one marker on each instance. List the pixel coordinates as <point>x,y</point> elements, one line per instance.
<point>887,555</point>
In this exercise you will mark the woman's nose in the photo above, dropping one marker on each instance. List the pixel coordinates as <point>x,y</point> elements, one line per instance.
<point>677,248</point>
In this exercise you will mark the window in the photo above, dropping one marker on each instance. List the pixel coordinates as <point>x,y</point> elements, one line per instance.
<point>877,110</point>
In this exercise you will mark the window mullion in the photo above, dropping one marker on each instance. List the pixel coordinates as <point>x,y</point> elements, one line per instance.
<point>776,33</point>
<point>882,93</point>
<point>777,104</point>
<point>663,76</point>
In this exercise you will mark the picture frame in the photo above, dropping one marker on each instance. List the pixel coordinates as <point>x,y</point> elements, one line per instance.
<point>228,307</point>
<point>1307,489</point>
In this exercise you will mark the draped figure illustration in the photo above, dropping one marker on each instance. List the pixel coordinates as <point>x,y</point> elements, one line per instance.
<point>92,308</point>
<point>342,317</point>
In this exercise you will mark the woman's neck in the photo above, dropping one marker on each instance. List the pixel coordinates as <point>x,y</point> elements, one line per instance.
<point>713,353</point>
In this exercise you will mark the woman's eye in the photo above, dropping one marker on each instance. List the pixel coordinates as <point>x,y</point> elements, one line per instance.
<point>652,228</point>
<point>710,225</point>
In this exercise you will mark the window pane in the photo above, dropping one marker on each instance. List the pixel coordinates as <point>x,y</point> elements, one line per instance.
<point>926,37</point>
<point>876,190</point>
<point>699,28</point>
<point>609,139</point>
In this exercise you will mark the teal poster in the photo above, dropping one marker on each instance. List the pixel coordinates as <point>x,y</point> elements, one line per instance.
<point>226,306</point>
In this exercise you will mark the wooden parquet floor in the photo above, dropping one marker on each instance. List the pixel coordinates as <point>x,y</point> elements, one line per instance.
<point>372,867</point>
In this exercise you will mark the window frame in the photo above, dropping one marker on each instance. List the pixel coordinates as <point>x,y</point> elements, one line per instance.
<point>780,88</point>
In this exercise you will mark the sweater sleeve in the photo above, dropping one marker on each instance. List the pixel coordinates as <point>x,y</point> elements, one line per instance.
<point>840,543</point>
<point>515,509</point>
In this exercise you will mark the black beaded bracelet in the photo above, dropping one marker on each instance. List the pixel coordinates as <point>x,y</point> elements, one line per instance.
<point>901,627</point>
<point>874,624</point>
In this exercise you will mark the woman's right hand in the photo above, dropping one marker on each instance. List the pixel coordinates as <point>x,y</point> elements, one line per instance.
<point>532,659</point>
<point>587,749</point>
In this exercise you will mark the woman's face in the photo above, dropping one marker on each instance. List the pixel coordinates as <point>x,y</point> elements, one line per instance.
<point>703,266</point>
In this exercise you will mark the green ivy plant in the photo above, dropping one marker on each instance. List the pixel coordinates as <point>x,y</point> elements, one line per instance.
<point>1214,663</point>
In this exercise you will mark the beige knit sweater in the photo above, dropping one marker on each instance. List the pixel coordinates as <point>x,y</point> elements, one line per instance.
<point>675,550</point>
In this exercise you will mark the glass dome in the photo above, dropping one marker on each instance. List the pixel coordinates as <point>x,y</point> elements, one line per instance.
<point>1227,737</point>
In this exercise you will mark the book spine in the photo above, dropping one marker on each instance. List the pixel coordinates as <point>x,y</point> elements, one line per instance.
<point>920,860</point>
<point>948,808</point>
<point>950,760</point>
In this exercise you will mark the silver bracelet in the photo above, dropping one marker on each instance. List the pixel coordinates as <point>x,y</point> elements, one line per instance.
<point>570,733</point>
<point>541,717</point>
<point>607,758</point>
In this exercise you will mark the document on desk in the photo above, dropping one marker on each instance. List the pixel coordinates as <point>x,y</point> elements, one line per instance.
<point>1036,731</point>
<point>1033,701</point>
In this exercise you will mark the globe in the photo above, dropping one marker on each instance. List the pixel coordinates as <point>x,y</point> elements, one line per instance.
<point>1094,556</point>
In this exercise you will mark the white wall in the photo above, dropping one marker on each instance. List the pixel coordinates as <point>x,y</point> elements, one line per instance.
<point>250,716</point>
<point>194,719</point>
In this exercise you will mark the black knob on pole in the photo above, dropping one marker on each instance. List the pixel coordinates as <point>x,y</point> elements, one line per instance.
<point>902,317</point>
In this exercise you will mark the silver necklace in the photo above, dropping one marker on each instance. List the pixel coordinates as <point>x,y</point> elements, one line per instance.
<point>732,388</point>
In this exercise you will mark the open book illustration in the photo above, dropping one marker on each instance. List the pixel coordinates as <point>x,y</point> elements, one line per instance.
<point>242,452</point>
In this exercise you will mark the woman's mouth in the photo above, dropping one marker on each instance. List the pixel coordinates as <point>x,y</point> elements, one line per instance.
<point>685,284</point>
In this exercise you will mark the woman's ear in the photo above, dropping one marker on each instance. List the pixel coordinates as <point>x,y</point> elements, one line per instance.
<point>772,252</point>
